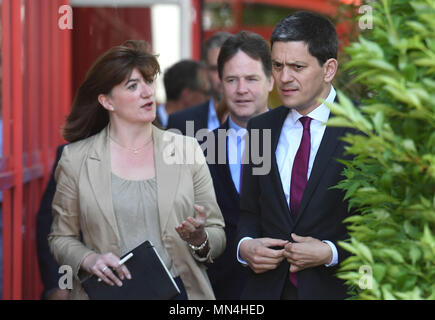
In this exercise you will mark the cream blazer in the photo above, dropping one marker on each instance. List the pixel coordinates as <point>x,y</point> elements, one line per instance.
<point>84,220</point>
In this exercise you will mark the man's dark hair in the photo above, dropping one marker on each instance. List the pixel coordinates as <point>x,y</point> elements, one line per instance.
<point>315,30</point>
<point>215,41</point>
<point>183,74</point>
<point>250,43</point>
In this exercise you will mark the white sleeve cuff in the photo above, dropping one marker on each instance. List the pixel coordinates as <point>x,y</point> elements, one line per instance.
<point>334,260</point>
<point>243,262</point>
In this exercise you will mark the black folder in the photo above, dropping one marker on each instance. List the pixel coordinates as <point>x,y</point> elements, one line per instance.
<point>150,279</point>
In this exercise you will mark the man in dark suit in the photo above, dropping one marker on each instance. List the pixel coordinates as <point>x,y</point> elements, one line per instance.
<point>186,84</point>
<point>291,219</point>
<point>245,69</point>
<point>203,116</point>
<point>48,267</point>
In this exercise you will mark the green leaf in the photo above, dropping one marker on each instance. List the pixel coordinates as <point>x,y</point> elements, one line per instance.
<point>381,64</point>
<point>350,266</point>
<point>410,230</point>
<point>379,271</point>
<point>338,122</point>
<point>386,232</point>
<point>351,190</point>
<point>409,145</point>
<point>425,62</point>
<point>428,238</point>
<point>386,292</point>
<point>410,72</point>
<point>363,250</point>
<point>391,253</point>
<point>378,121</point>
<point>417,27</point>
<point>354,219</point>
<point>414,254</point>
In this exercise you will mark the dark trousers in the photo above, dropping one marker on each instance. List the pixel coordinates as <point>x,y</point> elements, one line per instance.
<point>290,292</point>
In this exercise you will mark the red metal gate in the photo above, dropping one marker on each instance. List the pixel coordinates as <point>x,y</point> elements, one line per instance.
<point>36,96</point>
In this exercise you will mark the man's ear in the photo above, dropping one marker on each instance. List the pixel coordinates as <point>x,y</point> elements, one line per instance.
<point>330,69</point>
<point>105,101</point>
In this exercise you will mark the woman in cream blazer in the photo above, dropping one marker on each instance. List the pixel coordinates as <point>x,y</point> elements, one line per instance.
<point>85,233</point>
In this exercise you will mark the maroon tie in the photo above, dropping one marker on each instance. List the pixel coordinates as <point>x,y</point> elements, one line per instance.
<point>299,175</point>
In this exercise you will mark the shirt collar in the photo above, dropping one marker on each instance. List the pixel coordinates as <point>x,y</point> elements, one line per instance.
<point>321,113</point>
<point>232,124</point>
<point>212,110</point>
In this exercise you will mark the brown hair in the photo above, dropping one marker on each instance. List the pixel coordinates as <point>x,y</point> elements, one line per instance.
<point>222,111</point>
<point>88,116</point>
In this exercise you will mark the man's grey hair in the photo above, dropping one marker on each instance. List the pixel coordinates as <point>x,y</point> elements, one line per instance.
<point>215,41</point>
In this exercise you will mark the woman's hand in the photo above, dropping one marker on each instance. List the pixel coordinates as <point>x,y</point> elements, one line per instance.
<point>101,264</point>
<point>192,229</point>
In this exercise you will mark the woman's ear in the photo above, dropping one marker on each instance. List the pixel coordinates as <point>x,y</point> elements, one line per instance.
<point>330,69</point>
<point>104,100</point>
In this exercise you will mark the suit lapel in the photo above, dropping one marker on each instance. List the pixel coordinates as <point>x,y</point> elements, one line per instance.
<point>277,122</point>
<point>166,149</point>
<point>99,172</point>
<point>199,115</point>
<point>203,116</point>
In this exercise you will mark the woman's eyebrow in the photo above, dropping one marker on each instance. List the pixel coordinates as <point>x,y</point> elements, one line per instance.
<point>131,80</point>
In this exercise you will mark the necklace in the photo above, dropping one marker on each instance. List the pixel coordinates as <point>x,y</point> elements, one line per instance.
<point>134,150</point>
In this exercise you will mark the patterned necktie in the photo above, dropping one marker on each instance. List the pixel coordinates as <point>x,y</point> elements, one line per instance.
<point>299,176</point>
<point>300,168</point>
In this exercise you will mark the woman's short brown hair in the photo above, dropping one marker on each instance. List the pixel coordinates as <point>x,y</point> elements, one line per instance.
<point>88,116</point>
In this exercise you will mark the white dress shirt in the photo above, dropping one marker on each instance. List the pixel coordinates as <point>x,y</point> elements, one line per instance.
<point>286,152</point>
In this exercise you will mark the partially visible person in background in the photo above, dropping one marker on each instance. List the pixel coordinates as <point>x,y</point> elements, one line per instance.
<point>245,68</point>
<point>117,185</point>
<point>48,267</point>
<point>186,85</point>
<point>204,115</point>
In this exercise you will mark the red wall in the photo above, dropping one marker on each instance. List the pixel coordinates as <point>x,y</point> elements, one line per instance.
<point>36,96</point>
<point>98,29</point>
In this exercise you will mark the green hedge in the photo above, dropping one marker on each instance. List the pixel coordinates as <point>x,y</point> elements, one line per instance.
<point>391,181</point>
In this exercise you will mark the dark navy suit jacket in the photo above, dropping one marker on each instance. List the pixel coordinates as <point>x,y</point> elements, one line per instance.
<point>264,212</point>
<point>226,274</point>
<point>198,114</point>
<point>48,267</point>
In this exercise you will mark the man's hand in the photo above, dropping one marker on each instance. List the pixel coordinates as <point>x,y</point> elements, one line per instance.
<point>306,252</point>
<point>258,254</point>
